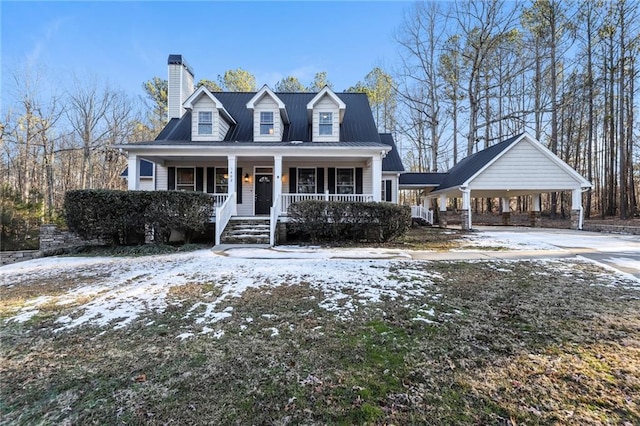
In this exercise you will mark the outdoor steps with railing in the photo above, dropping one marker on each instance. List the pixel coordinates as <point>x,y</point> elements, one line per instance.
<point>246,231</point>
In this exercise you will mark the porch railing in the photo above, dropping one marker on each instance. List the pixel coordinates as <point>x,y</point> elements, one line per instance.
<point>218,199</point>
<point>288,199</point>
<point>223,214</point>
<point>422,213</point>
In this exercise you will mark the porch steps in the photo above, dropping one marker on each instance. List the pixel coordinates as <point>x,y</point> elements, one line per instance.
<point>246,231</point>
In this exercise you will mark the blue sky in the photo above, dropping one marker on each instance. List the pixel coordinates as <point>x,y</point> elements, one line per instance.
<point>128,42</point>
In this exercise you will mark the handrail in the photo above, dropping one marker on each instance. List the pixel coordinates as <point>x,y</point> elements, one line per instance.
<point>423,213</point>
<point>275,212</point>
<point>288,199</point>
<point>223,214</point>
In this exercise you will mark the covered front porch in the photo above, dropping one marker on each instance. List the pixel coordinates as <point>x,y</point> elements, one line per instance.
<point>249,185</point>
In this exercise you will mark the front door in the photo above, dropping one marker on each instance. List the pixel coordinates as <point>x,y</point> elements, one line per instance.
<point>264,193</point>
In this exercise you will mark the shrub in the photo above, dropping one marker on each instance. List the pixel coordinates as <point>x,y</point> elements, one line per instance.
<point>123,217</point>
<point>349,221</point>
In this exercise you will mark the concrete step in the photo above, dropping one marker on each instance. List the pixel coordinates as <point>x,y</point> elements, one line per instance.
<point>246,231</point>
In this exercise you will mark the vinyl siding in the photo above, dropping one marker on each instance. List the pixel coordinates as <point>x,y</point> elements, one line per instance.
<point>180,88</point>
<point>223,128</point>
<point>267,104</point>
<point>206,104</point>
<point>162,174</point>
<point>326,104</point>
<point>393,177</point>
<point>524,167</point>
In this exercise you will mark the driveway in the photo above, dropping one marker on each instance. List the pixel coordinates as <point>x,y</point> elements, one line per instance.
<point>621,252</point>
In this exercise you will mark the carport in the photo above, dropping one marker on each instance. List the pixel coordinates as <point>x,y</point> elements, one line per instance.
<point>519,166</point>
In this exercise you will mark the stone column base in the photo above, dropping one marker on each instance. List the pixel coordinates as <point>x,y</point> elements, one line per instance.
<point>464,220</point>
<point>506,218</point>
<point>575,219</point>
<point>442,219</point>
<point>534,218</point>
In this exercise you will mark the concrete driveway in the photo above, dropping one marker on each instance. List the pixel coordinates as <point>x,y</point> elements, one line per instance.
<point>621,252</point>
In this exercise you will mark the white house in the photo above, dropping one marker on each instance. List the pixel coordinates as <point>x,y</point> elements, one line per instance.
<point>256,153</point>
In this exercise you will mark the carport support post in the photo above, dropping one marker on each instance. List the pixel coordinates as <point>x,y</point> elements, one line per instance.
<point>465,214</point>
<point>576,209</point>
<point>506,210</point>
<point>442,220</point>
<point>534,214</point>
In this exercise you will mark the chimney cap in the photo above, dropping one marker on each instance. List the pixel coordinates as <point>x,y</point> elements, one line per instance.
<point>179,60</point>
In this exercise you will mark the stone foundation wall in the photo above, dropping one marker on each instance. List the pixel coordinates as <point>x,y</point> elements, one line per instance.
<point>442,219</point>
<point>613,229</point>
<point>52,241</point>
<point>575,219</point>
<point>506,218</point>
<point>464,220</point>
<point>534,218</point>
<point>7,257</point>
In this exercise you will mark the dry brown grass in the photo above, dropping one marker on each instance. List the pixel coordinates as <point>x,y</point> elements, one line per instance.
<point>510,343</point>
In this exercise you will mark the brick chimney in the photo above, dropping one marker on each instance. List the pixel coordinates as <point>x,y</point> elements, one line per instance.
<point>180,85</point>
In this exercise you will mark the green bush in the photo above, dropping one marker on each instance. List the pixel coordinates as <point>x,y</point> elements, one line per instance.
<point>123,217</point>
<point>349,221</point>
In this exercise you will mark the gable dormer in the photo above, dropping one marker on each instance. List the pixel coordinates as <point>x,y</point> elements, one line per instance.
<point>210,121</point>
<point>326,112</point>
<point>269,116</point>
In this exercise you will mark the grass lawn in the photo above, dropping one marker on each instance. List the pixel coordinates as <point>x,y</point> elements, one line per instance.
<point>367,341</point>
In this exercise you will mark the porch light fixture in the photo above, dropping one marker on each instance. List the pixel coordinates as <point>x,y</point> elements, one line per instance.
<point>246,178</point>
<point>226,175</point>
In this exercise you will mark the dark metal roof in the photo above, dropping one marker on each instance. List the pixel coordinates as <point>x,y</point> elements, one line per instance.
<point>422,179</point>
<point>358,124</point>
<point>470,165</point>
<point>146,169</point>
<point>392,162</point>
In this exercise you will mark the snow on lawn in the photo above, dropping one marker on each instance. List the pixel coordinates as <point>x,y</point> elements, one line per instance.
<point>121,289</point>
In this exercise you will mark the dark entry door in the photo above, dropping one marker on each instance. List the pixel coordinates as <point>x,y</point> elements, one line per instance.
<point>264,194</point>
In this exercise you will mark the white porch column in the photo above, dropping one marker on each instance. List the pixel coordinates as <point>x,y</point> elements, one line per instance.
<point>376,168</point>
<point>277,172</point>
<point>465,214</point>
<point>426,203</point>
<point>442,217</point>
<point>577,212</point>
<point>505,207</point>
<point>232,171</point>
<point>536,203</point>
<point>133,174</point>
<point>534,213</point>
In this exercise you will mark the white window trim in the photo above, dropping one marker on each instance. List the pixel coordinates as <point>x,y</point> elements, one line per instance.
<point>354,180</point>
<point>204,122</point>
<point>320,123</point>
<point>315,180</point>
<point>265,123</point>
<point>194,179</point>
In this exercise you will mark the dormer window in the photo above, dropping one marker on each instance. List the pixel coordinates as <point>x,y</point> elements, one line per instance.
<point>205,123</point>
<point>326,124</point>
<point>266,123</point>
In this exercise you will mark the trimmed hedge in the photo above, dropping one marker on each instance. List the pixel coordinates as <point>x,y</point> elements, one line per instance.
<point>349,221</point>
<point>122,217</point>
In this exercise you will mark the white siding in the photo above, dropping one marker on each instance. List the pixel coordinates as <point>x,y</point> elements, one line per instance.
<point>205,104</point>
<point>180,87</point>
<point>162,174</point>
<point>393,177</point>
<point>326,104</point>
<point>367,173</point>
<point>146,184</point>
<point>267,104</point>
<point>524,167</point>
<point>223,128</point>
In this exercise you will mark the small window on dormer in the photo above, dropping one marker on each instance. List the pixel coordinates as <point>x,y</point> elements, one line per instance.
<point>326,124</point>
<point>266,123</point>
<point>205,123</point>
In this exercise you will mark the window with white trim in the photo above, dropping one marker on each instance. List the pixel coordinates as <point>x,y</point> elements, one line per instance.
<point>306,181</point>
<point>266,123</point>
<point>345,181</point>
<point>222,180</point>
<point>205,123</point>
<point>325,124</point>
<point>185,178</point>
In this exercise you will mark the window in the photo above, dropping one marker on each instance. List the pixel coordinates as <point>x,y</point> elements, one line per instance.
<point>205,123</point>
<point>325,124</point>
<point>387,192</point>
<point>222,180</point>
<point>185,179</point>
<point>266,123</point>
<point>306,181</point>
<point>345,181</point>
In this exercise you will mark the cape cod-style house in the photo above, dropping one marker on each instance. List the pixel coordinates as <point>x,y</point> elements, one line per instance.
<point>258,152</point>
